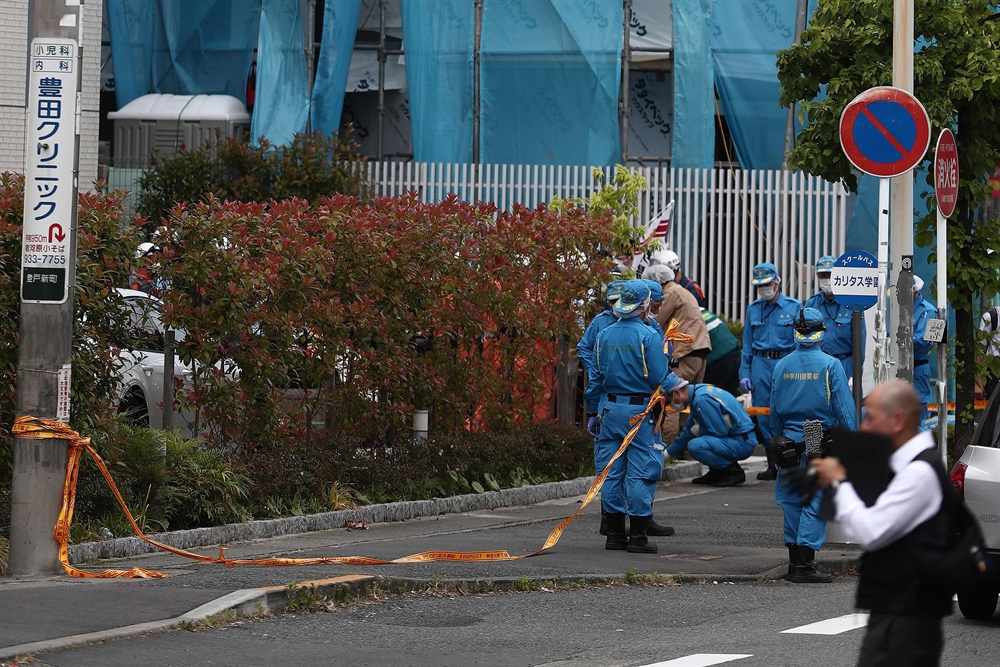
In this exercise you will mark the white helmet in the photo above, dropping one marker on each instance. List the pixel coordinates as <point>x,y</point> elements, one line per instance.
<point>144,249</point>
<point>670,258</point>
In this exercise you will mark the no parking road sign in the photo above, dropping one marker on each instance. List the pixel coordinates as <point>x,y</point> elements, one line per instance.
<point>885,131</point>
<point>855,279</point>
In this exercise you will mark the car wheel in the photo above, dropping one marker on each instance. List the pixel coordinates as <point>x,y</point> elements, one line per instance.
<point>133,408</point>
<point>977,604</point>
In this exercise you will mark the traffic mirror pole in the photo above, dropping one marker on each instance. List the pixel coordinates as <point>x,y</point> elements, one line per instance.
<point>48,278</point>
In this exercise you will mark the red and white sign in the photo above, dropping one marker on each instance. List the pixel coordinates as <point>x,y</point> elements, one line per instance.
<point>946,173</point>
<point>885,131</point>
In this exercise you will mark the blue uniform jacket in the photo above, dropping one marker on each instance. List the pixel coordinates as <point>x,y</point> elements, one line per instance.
<point>810,384</point>
<point>714,412</point>
<point>923,310</point>
<point>768,326</point>
<point>585,348</point>
<point>837,339</point>
<point>628,359</point>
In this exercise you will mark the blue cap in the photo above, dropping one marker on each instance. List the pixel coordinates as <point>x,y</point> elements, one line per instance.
<point>809,326</point>
<point>825,264</point>
<point>764,274</point>
<point>614,290</point>
<point>634,294</point>
<point>655,290</point>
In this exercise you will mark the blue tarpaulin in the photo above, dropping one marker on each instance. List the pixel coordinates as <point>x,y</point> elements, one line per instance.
<point>282,105</point>
<point>340,22</point>
<point>438,45</point>
<point>694,97</point>
<point>746,38</point>
<point>550,79</point>
<point>181,47</point>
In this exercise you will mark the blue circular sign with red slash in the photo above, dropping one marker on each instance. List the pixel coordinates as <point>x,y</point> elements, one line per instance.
<point>885,131</point>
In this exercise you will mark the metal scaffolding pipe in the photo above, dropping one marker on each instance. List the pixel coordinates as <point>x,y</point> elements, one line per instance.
<point>476,60</point>
<point>381,78</point>
<point>623,105</point>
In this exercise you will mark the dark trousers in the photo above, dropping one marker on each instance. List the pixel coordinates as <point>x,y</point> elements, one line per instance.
<point>902,641</point>
<point>725,373</point>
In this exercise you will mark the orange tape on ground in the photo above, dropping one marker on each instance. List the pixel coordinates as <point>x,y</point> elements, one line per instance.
<point>40,429</point>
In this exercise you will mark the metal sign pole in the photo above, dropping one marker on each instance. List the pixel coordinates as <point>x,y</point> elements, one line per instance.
<point>942,350</point>
<point>48,276</point>
<point>880,359</point>
<point>857,349</point>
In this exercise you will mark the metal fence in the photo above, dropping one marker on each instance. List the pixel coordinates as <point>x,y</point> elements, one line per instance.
<point>724,220</point>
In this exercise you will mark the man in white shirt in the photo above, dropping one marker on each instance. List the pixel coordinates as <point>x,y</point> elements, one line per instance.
<point>904,525</point>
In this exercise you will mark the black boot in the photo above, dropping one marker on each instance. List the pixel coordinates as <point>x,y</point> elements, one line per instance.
<point>732,475</point>
<point>617,539</point>
<point>768,475</point>
<point>802,570</point>
<point>637,542</point>
<point>656,530</point>
<point>709,477</point>
<point>604,523</point>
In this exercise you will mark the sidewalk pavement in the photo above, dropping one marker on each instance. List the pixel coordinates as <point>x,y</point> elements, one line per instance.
<point>729,534</point>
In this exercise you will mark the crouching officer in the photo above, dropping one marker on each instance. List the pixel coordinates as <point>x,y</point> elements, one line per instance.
<point>808,384</point>
<point>629,365</point>
<point>719,432</point>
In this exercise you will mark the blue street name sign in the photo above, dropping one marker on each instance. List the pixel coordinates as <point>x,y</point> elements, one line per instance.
<point>855,279</point>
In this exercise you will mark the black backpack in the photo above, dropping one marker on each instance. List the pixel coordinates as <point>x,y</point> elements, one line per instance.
<point>964,563</point>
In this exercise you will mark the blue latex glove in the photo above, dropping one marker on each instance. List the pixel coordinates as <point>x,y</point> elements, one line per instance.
<point>594,426</point>
<point>746,385</point>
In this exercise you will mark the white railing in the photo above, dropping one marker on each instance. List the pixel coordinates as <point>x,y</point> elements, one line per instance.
<point>724,221</point>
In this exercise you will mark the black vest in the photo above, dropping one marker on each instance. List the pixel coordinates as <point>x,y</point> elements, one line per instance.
<point>892,578</point>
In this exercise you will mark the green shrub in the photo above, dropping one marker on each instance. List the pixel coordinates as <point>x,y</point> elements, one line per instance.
<point>312,167</point>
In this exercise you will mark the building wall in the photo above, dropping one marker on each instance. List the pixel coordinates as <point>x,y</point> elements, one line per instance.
<point>13,87</point>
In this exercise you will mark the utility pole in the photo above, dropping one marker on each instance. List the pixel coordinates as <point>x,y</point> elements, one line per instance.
<point>48,276</point>
<point>901,209</point>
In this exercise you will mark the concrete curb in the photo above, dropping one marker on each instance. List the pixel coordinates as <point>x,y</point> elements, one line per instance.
<point>126,547</point>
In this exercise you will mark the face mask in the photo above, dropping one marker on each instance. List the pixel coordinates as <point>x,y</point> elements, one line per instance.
<point>676,407</point>
<point>767,292</point>
<point>826,285</point>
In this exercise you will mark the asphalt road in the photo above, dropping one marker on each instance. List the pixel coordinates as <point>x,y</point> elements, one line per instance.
<point>620,625</point>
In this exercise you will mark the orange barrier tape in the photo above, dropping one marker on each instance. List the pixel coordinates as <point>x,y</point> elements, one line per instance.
<point>931,407</point>
<point>40,429</point>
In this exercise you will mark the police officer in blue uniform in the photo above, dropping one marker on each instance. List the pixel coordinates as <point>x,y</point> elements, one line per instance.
<point>604,319</point>
<point>808,385</point>
<point>838,339</point>
<point>923,310</point>
<point>767,337</point>
<point>655,301</point>
<point>629,365</point>
<point>718,432</point>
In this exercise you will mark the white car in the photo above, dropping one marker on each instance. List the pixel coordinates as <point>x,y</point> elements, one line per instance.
<point>142,374</point>
<point>976,477</point>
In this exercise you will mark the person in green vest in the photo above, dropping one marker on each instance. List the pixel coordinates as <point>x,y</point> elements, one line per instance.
<point>723,362</point>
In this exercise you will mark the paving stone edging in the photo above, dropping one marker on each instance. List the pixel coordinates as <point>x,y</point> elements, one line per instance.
<point>126,547</point>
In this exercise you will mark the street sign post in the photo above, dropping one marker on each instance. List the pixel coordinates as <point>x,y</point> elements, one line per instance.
<point>946,193</point>
<point>856,278</point>
<point>885,132</point>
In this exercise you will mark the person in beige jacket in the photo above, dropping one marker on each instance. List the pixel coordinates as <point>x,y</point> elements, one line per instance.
<point>688,359</point>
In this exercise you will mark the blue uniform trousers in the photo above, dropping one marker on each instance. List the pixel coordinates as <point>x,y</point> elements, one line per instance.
<point>631,482</point>
<point>718,453</point>
<point>802,523</point>
<point>761,374</point>
<point>922,383</point>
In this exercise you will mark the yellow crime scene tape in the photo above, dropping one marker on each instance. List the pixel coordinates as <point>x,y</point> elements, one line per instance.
<point>931,407</point>
<point>41,429</point>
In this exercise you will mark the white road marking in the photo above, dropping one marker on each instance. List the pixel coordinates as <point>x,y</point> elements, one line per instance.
<point>831,626</point>
<point>701,660</point>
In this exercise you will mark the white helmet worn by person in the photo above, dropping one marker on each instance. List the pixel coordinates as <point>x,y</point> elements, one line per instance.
<point>670,258</point>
